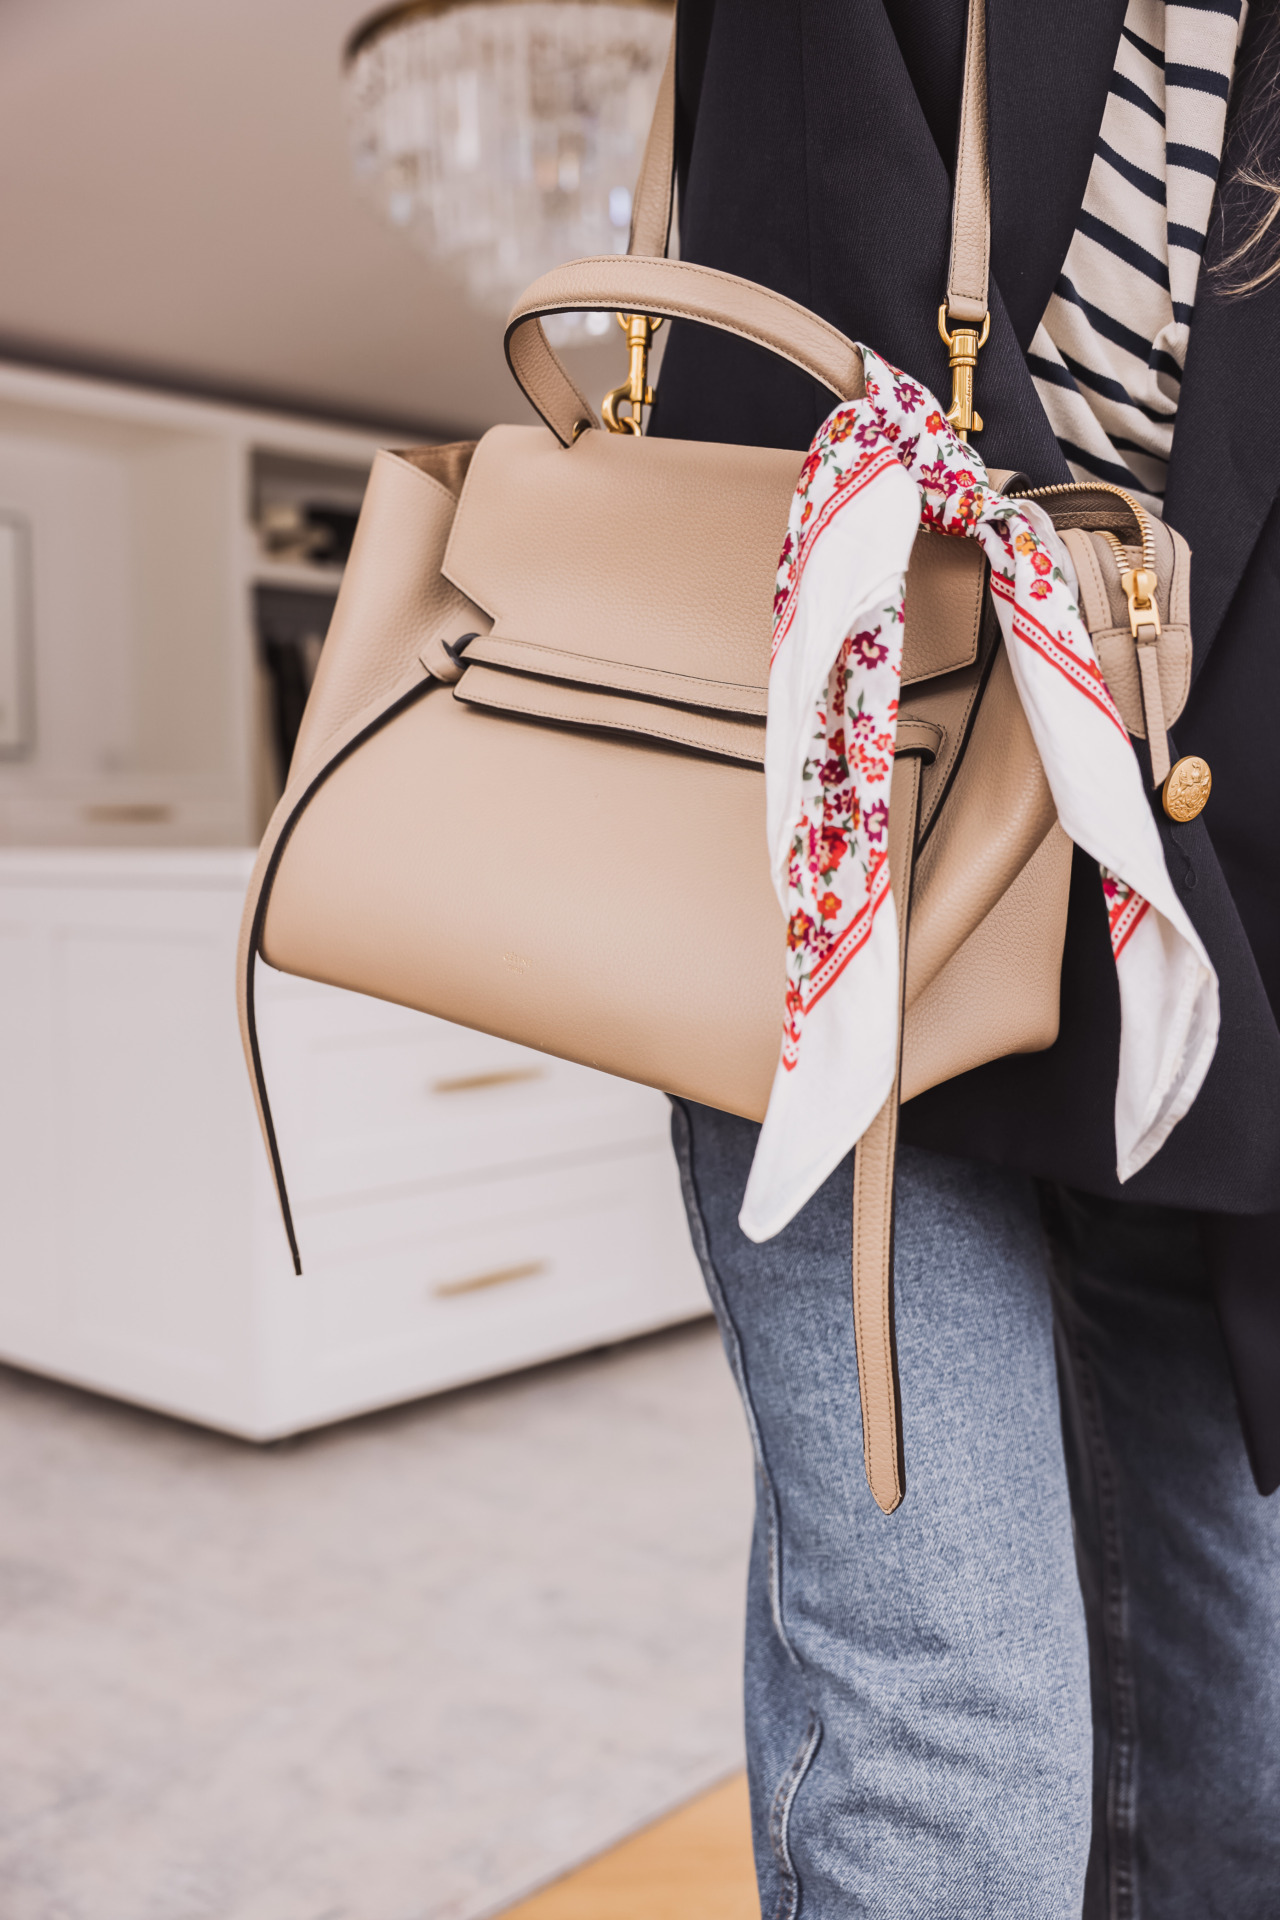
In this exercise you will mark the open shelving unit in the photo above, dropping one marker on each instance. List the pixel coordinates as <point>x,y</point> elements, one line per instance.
<point>150,701</point>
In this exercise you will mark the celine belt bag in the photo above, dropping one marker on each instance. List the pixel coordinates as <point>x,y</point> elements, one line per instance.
<point>507,699</point>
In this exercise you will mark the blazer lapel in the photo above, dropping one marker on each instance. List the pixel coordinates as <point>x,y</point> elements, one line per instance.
<point>1224,473</point>
<point>879,210</point>
<point>1048,78</point>
<point>1049,66</point>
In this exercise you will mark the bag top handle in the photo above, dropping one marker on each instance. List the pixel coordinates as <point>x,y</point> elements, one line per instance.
<point>645,281</point>
<point>671,289</point>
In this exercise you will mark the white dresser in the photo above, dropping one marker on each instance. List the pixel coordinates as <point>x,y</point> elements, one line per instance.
<point>464,1206</point>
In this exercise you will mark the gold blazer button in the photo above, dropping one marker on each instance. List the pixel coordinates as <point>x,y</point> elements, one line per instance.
<point>1187,787</point>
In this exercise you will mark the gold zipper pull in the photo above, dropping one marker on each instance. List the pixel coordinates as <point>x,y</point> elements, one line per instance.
<point>1139,585</point>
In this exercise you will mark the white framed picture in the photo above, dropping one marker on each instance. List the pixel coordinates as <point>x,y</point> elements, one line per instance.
<point>17,716</point>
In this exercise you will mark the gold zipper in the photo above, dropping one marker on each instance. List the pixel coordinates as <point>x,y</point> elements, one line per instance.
<point>1138,583</point>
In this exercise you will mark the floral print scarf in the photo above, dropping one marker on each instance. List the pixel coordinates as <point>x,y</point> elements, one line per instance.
<point>878,469</point>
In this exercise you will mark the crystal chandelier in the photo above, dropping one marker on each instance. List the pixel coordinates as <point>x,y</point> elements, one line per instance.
<point>505,136</point>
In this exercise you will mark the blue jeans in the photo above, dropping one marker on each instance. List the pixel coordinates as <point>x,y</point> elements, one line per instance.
<point>1049,1685</point>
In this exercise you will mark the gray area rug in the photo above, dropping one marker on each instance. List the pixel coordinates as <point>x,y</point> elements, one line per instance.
<point>405,1669</point>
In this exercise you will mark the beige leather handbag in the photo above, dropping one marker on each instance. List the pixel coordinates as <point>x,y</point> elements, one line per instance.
<point>528,792</point>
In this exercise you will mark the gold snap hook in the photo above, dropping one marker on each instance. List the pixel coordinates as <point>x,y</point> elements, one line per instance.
<point>639,329</point>
<point>964,345</point>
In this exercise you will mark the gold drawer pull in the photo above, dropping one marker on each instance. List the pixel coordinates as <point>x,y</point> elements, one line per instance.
<point>472,1082</point>
<point>498,1277</point>
<point>128,813</point>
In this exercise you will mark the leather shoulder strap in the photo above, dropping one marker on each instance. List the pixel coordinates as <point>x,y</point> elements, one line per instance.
<point>968,273</point>
<point>656,185</point>
<point>645,281</point>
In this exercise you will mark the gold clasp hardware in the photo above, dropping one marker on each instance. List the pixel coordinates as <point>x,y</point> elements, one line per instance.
<point>1139,585</point>
<point>963,345</point>
<point>639,329</point>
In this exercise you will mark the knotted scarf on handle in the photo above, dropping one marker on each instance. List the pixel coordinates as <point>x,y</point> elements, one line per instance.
<point>878,469</point>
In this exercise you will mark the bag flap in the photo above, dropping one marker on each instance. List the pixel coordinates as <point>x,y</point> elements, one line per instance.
<point>650,565</point>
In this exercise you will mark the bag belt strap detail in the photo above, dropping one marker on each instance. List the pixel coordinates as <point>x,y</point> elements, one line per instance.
<point>873,1165</point>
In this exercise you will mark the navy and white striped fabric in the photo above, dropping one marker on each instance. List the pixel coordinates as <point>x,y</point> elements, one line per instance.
<point>1107,358</point>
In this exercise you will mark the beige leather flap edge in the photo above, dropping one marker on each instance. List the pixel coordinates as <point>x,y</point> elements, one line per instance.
<point>942,625</point>
<point>568,705</point>
<point>942,611</point>
<point>584,671</point>
<point>526,656</point>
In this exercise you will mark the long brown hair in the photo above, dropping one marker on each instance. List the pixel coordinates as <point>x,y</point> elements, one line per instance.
<point>1251,192</point>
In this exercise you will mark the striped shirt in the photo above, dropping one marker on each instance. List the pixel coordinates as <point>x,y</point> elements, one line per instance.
<point>1107,358</point>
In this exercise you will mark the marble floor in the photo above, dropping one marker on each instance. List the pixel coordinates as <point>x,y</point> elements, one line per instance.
<point>405,1669</point>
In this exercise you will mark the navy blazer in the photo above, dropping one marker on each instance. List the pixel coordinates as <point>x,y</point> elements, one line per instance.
<point>815,143</point>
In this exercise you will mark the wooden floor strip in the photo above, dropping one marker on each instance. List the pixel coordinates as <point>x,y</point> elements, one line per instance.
<point>693,1865</point>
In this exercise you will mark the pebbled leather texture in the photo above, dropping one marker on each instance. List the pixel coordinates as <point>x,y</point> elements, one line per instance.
<point>954,1023</point>
<point>452,817</point>
<point>651,205</point>
<point>997,812</point>
<point>702,527</point>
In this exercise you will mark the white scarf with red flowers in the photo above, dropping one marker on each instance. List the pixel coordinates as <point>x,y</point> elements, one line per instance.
<point>877,470</point>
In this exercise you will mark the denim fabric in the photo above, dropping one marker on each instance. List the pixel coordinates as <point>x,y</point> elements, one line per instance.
<point>1180,1566</point>
<point>945,1719</point>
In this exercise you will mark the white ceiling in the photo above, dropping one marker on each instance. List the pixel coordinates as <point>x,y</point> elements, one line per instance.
<point>177,204</point>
